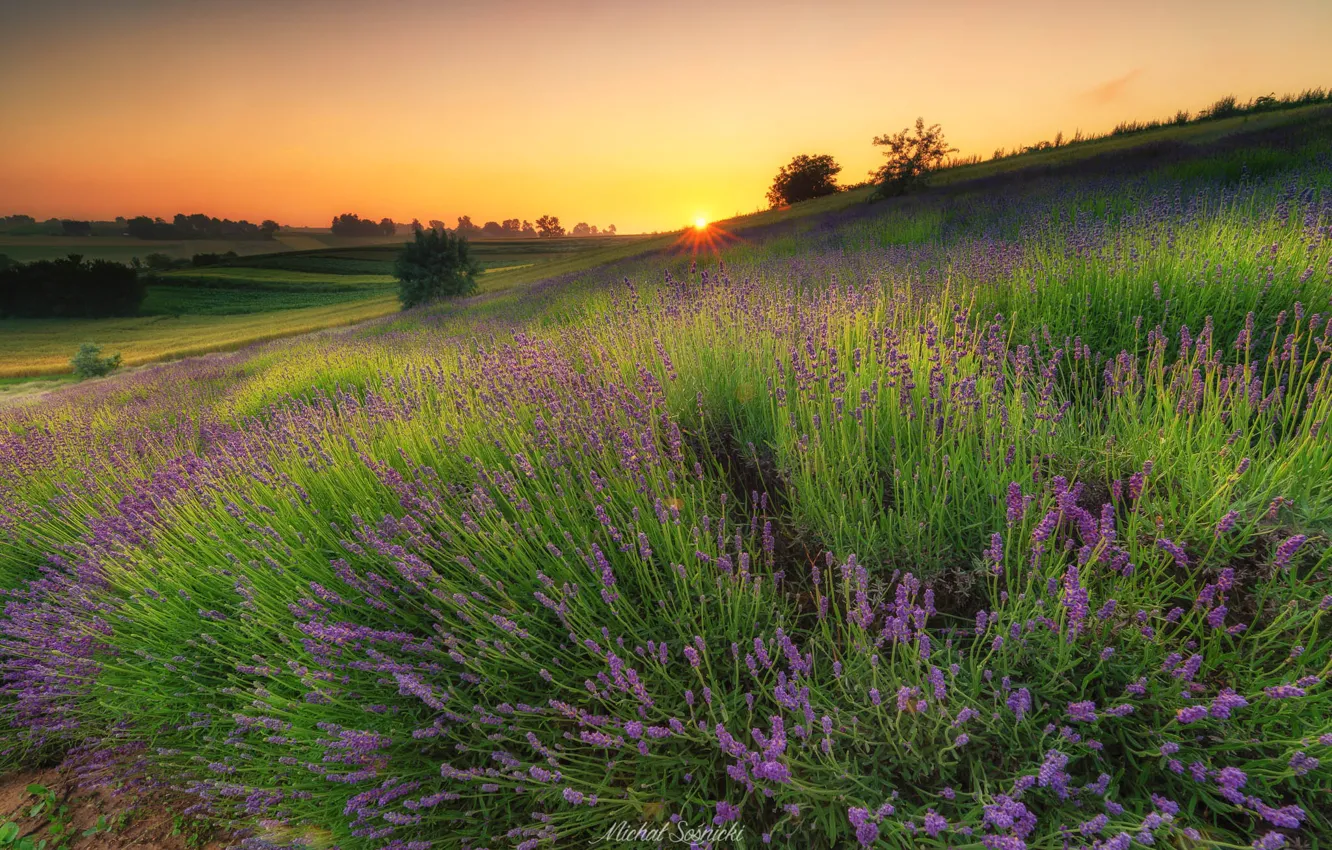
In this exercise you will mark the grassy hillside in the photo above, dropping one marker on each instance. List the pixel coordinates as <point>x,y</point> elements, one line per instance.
<point>992,517</point>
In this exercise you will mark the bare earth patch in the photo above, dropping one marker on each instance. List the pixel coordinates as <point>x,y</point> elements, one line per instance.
<point>115,821</point>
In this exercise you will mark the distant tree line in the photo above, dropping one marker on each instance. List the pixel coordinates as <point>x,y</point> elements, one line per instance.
<point>198,226</point>
<point>181,227</point>
<point>546,227</point>
<point>351,224</point>
<point>69,288</point>
<point>26,225</point>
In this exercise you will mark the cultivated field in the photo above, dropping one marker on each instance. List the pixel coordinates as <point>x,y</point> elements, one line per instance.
<point>992,517</point>
<point>220,308</point>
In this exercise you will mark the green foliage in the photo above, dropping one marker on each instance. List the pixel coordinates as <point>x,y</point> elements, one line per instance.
<point>89,362</point>
<point>434,265</point>
<point>804,178</point>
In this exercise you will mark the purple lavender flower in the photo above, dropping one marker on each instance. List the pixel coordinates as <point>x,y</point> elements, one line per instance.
<point>1191,714</point>
<point>1017,506</point>
<point>1019,702</point>
<point>1302,763</point>
<point>867,831</point>
<point>1287,549</point>
<point>1174,550</point>
<point>934,823</point>
<point>1082,712</point>
<point>725,813</point>
<point>1226,702</point>
<point>994,556</point>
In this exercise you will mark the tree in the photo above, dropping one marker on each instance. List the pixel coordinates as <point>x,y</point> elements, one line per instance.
<point>75,228</point>
<point>910,158</point>
<point>548,226</point>
<point>528,230</point>
<point>435,265</point>
<point>351,224</point>
<point>610,230</point>
<point>436,224</point>
<point>511,226</point>
<point>804,178</point>
<point>465,225</point>
<point>269,227</point>
<point>492,228</point>
<point>581,229</point>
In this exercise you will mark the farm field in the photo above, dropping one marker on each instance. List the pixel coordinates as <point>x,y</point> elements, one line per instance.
<point>33,347</point>
<point>218,308</point>
<point>993,516</point>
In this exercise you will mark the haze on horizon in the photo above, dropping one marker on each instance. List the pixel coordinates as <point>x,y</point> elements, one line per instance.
<point>645,115</point>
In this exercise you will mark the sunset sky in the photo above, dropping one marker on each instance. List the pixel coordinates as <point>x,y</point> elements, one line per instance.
<point>642,114</point>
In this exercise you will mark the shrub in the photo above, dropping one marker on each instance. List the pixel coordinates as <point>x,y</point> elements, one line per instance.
<point>89,362</point>
<point>806,177</point>
<point>435,264</point>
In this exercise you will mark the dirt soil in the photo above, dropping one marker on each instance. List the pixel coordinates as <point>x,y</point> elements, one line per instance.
<point>146,823</point>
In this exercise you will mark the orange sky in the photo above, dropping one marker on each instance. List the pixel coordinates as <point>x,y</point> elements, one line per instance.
<point>642,114</point>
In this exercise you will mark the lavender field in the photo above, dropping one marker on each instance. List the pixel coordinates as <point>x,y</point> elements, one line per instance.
<point>996,517</point>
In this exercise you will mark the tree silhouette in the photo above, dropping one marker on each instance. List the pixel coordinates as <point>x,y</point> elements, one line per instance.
<point>804,178</point>
<point>910,158</point>
<point>548,226</point>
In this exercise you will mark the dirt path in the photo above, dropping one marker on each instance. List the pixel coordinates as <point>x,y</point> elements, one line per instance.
<point>116,822</point>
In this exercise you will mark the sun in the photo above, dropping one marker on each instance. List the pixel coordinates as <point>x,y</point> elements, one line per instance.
<point>700,223</point>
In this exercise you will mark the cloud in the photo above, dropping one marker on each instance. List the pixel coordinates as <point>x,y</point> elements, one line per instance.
<point>1111,90</point>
